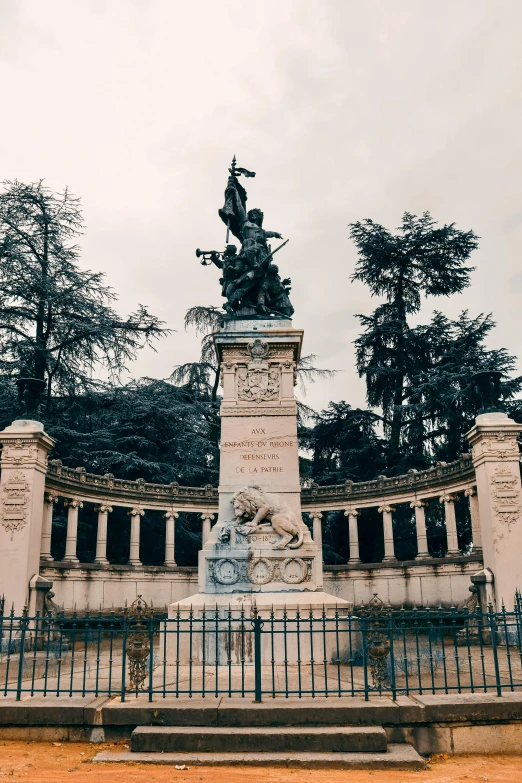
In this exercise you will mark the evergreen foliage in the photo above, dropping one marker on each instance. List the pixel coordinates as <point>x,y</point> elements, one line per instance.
<point>56,320</point>
<point>148,429</point>
<point>420,260</point>
<point>344,445</point>
<point>419,377</point>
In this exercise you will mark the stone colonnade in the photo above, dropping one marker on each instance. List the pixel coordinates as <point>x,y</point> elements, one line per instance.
<point>207,517</point>
<point>136,513</point>
<point>418,505</point>
<point>104,509</point>
<point>490,481</point>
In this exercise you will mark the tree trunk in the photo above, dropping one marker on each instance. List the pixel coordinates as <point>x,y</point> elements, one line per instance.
<point>40,346</point>
<point>398,395</point>
<point>215,386</point>
<point>396,426</point>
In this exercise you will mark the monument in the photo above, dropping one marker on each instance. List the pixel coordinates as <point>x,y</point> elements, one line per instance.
<point>259,554</point>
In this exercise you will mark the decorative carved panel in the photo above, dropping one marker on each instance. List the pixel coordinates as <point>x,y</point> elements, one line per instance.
<point>13,514</point>
<point>260,571</point>
<point>506,496</point>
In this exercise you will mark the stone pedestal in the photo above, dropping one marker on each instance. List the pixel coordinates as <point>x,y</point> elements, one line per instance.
<point>221,629</point>
<point>497,465</point>
<point>22,484</point>
<point>274,562</point>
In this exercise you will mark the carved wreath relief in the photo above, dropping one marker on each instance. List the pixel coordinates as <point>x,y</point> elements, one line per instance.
<point>506,497</point>
<point>13,515</point>
<point>261,571</point>
<point>257,382</point>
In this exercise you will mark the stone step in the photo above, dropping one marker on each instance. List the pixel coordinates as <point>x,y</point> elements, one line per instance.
<point>293,739</point>
<point>396,757</point>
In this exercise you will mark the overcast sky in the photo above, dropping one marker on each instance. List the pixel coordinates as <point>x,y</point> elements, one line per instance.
<point>346,109</point>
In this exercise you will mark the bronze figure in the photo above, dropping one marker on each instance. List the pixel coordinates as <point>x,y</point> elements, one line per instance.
<point>250,283</point>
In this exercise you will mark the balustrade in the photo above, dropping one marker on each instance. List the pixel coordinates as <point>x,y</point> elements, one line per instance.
<point>104,507</point>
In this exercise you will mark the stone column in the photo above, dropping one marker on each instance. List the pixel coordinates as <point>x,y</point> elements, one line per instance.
<point>134,554</point>
<point>353,534</point>
<point>317,533</point>
<point>170,517</point>
<point>420,525</point>
<point>387,521</point>
<point>451,524</point>
<point>497,468</point>
<point>471,494</point>
<point>72,529</point>
<point>47,527</point>
<point>207,518</point>
<point>22,484</point>
<point>101,534</point>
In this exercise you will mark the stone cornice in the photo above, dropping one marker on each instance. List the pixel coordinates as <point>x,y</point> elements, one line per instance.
<point>441,476</point>
<point>72,482</point>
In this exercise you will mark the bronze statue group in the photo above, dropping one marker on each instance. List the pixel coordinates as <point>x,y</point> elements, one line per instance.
<point>250,282</point>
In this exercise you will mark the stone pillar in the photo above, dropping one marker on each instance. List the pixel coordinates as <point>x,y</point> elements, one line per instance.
<point>207,524</point>
<point>170,517</point>
<point>101,534</point>
<point>22,484</point>
<point>497,468</point>
<point>353,534</point>
<point>317,534</point>
<point>39,589</point>
<point>420,525</point>
<point>134,554</point>
<point>47,527</point>
<point>451,524</point>
<point>72,529</point>
<point>387,521</point>
<point>483,581</point>
<point>258,457</point>
<point>471,493</point>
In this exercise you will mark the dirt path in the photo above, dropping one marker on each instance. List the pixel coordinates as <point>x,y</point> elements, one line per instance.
<point>66,762</point>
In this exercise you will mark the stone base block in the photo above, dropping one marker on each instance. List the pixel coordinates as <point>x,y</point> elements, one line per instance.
<point>298,628</point>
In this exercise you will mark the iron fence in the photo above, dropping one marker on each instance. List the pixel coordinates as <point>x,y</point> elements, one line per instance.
<point>329,652</point>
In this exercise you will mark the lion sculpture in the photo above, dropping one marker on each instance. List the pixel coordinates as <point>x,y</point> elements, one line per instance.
<point>251,507</point>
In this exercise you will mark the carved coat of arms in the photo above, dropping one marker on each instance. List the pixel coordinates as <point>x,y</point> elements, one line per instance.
<point>258,382</point>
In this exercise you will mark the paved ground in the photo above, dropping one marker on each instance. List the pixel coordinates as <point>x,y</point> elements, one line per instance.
<point>66,762</point>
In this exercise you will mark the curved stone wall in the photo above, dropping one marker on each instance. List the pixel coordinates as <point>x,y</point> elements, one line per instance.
<point>420,581</point>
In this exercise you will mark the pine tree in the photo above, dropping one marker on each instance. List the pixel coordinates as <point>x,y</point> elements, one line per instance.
<point>439,400</point>
<point>56,319</point>
<point>148,429</point>
<point>421,259</point>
